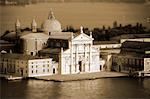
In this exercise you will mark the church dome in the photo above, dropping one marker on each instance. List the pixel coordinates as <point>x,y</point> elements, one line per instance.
<point>51,24</point>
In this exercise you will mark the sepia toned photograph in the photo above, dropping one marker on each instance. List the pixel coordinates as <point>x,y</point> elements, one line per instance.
<point>74,49</point>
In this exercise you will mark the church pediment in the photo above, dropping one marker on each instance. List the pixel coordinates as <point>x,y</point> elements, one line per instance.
<point>82,37</point>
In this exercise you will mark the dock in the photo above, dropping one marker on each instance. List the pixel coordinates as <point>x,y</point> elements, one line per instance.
<point>82,76</point>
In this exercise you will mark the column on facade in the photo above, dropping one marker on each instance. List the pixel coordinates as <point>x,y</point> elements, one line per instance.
<point>26,47</point>
<point>85,56</point>
<point>76,61</point>
<point>60,62</point>
<point>71,57</point>
<point>90,56</point>
<point>36,50</point>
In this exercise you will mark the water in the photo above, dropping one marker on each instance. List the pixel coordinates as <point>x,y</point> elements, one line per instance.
<point>76,14</point>
<point>114,88</point>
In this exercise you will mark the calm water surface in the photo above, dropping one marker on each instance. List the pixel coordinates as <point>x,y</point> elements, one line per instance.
<point>87,14</point>
<point>87,89</point>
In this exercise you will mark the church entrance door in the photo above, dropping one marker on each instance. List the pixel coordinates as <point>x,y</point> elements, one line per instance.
<point>80,66</point>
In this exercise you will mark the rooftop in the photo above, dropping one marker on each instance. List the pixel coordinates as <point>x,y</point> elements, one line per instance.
<point>105,42</point>
<point>35,35</point>
<point>50,50</point>
<point>62,35</point>
<point>131,36</point>
<point>136,55</point>
<point>136,45</point>
<point>4,42</point>
<point>19,56</point>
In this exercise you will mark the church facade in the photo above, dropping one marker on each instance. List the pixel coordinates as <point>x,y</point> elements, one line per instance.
<point>81,57</point>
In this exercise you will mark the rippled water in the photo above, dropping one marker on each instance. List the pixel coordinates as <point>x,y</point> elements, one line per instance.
<point>86,89</point>
<point>76,14</point>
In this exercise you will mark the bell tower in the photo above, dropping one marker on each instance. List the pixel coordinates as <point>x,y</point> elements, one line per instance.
<point>18,31</point>
<point>17,28</point>
<point>34,26</point>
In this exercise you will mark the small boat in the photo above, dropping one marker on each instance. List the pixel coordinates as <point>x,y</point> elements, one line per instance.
<point>13,78</point>
<point>141,74</point>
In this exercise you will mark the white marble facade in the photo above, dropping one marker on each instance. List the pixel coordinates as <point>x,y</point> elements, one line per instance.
<point>81,57</point>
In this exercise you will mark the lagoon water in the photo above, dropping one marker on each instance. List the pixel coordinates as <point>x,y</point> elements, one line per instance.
<point>111,88</point>
<point>76,14</point>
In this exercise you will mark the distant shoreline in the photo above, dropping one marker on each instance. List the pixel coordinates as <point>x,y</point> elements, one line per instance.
<point>28,2</point>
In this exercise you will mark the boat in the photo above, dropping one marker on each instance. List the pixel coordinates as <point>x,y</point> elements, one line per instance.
<point>141,74</point>
<point>13,78</point>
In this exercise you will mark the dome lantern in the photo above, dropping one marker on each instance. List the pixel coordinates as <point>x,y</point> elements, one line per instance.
<point>51,15</point>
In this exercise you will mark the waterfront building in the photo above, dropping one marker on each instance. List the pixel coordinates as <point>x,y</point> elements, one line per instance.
<point>117,48</point>
<point>132,57</point>
<point>26,65</point>
<point>107,48</point>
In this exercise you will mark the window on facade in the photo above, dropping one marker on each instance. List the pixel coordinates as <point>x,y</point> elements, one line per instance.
<point>32,66</point>
<point>36,71</point>
<point>47,70</point>
<point>137,62</point>
<point>49,33</point>
<point>51,43</point>
<point>53,70</point>
<point>31,53</point>
<point>58,44</point>
<point>32,71</point>
<point>142,62</point>
<point>133,61</point>
<point>100,67</point>
<point>87,58</point>
<point>43,70</point>
<point>47,65</point>
<point>36,66</point>
<point>148,63</point>
<point>43,65</point>
<point>64,45</point>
